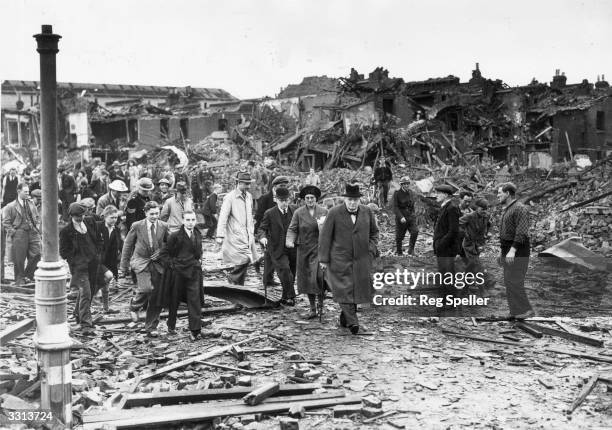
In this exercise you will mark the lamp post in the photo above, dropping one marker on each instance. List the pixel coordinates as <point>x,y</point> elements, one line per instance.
<point>52,338</point>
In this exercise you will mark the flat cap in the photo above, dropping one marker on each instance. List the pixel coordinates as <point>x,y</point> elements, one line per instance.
<point>76,209</point>
<point>181,186</point>
<point>483,203</point>
<point>164,181</point>
<point>244,177</point>
<point>280,180</point>
<point>36,193</point>
<point>445,189</point>
<point>405,180</point>
<point>88,202</point>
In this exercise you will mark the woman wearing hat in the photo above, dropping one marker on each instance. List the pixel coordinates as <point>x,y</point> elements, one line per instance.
<point>304,232</point>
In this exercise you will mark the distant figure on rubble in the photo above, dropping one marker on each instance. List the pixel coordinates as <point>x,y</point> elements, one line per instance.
<point>515,250</point>
<point>312,179</point>
<point>405,219</point>
<point>273,233</point>
<point>382,178</point>
<point>182,281</point>
<point>347,247</point>
<point>209,211</point>
<point>175,206</point>
<point>235,230</point>
<point>475,226</point>
<point>142,253</point>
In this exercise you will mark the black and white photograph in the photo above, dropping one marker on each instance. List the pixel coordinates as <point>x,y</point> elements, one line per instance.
<point>292,214</point>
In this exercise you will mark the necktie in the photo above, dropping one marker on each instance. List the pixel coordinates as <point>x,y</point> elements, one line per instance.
<point>26,206</point>
<point>153,238</point>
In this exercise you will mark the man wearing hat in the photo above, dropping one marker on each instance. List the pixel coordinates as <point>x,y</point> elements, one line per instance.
<point>67,192</point>
<point>267,202</point>
<point>80,244</point>
<point>273,233</point>
<point>303,233</point>
<point>100,185</point>
<point>113,197</point>
<point>116,172</point>
<point>235,230</point>
<point>347,246</point>
<point>134,209</point>
<point>446,242</point>
<point>515,250</point>
<point>35,184</point>
<point>405,220</point>
<point>9,186</point>
<point>21,222</point>
<point>37,198</point>
<point>175,206</point>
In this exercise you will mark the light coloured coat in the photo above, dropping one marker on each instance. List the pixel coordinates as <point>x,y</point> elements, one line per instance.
<point>236,227</point>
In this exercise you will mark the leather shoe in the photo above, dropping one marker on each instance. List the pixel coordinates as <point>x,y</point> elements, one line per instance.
<point>354,329</point>
<point>194,336</point>
<point>530,313</point>
<point>172,332</point>
<point>152,333</point>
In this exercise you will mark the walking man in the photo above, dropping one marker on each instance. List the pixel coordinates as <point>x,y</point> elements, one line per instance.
<point>515,250</point>
<point>21,222</point>
<point>209,211</point>
<point>134,209</point>
<point>141,252</point>
<point>273,233</point>
<point>405,219</point>
<point>113,197</point>
<point>183,278</point>
<point>235,230</point>
<point>446,238</point>
<point>382,178</point>
<point>111,252</point>
<point>80,244</point>
<point>174,207</point>
<point>347,246</point>
<point>475,226</point>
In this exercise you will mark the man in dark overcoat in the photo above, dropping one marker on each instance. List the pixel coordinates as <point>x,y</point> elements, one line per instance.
<point>446,239</point>
<point>347,246</point>
<point>182,280</point>
<point>273,234</point>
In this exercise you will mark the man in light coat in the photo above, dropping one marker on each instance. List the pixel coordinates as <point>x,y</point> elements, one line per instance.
<point>141,252</point>
<point>347,246</point>
<point>235,229</point>
<point>174,207</point>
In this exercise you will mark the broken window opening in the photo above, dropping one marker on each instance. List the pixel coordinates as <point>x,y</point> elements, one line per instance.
<point>164,128</point>
<point>388,106</point>
<point>184,127</point>
<point>132,130</point>
<point>600,121</point>
<point>453,121</point>
<point>222,126</point>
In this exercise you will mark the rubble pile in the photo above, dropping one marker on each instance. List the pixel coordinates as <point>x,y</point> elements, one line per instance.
<point>210,149</point>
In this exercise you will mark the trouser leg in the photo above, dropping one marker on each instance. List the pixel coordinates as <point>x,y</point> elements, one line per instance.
<point>20,252</point>
<point>286,277</point>
<point>194,312</point>
<point>83,304</point>
<point>385,190</point>
<point>514,280</point>
<point>3,246</point>
<point>33,253</point>
<point>312,300</point>
<point>446,267</point>
<point>400,233</point>
<point>350,313</point>
<point>414,233</point>
<point>153,309</point>
<point>268,272</point>
<point>238,274</point>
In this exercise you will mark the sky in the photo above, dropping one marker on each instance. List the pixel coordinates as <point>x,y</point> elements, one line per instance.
<point>253,48</point>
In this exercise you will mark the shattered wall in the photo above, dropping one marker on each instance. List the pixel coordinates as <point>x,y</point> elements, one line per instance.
<point>599,126</point>
<point>364,114</point>
<point>149,132</point>
<point>201,127</point>
<point>314,118</point>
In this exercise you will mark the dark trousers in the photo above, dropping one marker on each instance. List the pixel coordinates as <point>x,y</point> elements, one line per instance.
<point>25,245</point>
<point>84,277</point>
<point>210,222</point>
<point>3,245</point>
<point>192,297</point>
<point>384,194</point>
<point>471,257</point>
<point>285,267</point>
<point>514,279</point>
<point>142,300</point>
<point>446,265</point>
<point>400,232</point>
<point>268,272</point>
<point>238,274</point>
<point>350,313</point>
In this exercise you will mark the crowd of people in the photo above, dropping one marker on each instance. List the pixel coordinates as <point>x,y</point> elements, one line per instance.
<point>128,221</point>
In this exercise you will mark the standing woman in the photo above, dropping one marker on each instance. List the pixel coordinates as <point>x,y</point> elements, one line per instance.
<point>304,232</point>
<point>133,175</point>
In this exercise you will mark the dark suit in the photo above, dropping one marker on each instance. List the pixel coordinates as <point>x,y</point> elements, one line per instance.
<point>182,280</point>
<point>209,211</point>
<point>446,241</point>
<point>274,227</point>
<point>82,252</point>
<point>264,203</point>
<point>69,188</point>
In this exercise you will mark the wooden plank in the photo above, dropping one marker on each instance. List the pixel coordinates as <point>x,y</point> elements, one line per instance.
<point>579,354</point>
<point>232,369</point>
<point>481,338</point>
<point>565,335</point>
<point>195,359</point>
<point>198,413</point>
<point>586,389</point>
<point>258,395</point>
<point>182,313</point>
<point>186,396</point>
<point>16,330</point>
<point>532,331</point>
